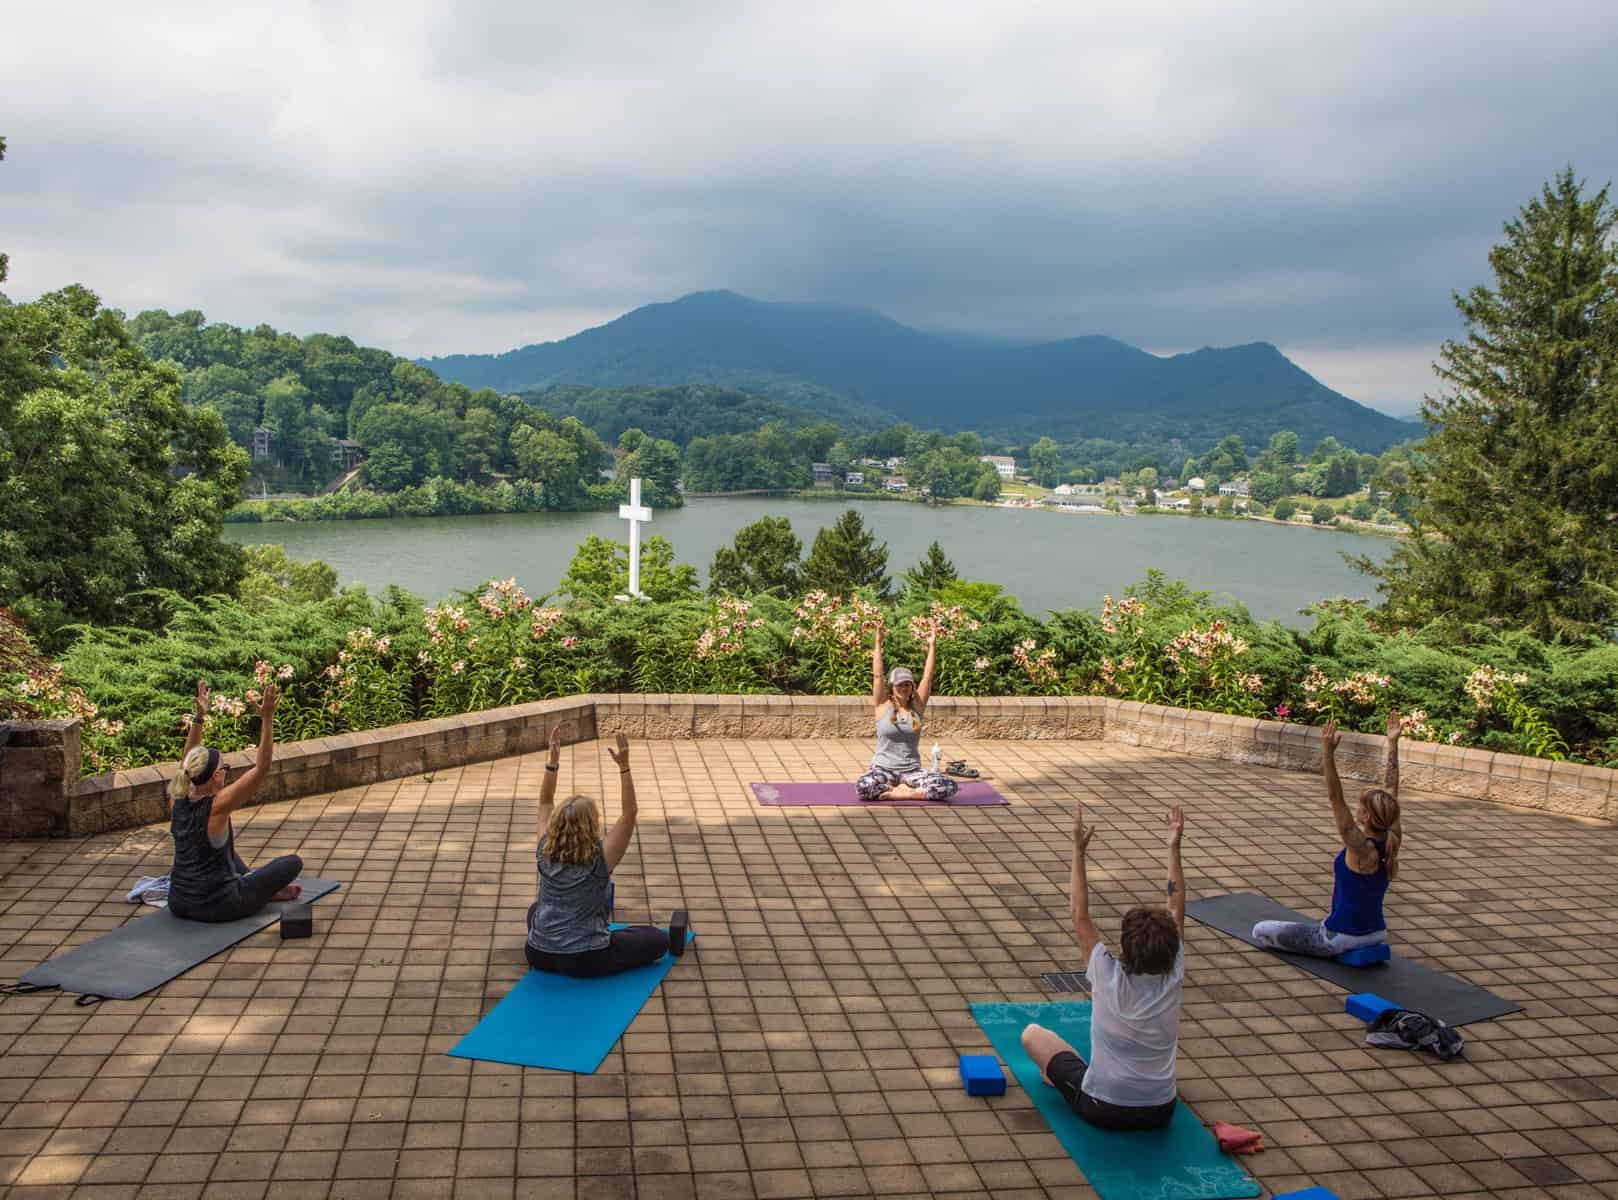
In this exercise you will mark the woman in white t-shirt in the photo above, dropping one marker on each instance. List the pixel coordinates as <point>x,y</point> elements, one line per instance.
<point>1129,1082</point>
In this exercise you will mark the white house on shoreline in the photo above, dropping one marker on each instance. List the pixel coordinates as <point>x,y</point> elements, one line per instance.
<point>1004,464</point>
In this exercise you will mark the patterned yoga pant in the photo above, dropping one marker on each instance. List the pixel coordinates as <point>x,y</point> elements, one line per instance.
<point>1311,938</point>
<point>877,780</point>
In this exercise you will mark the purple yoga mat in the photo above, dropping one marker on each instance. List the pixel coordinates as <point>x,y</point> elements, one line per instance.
<point>972,792</point>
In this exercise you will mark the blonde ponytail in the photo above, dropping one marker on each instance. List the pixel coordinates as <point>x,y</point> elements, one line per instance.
<point>1384,809</point>
<point>180,785</point>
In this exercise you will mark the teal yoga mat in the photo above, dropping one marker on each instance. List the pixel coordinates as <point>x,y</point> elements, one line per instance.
<point>561,1023</point>
<point>1182,1162</point>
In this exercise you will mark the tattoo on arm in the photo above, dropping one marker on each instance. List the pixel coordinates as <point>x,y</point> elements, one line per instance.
<point>1171,887</point>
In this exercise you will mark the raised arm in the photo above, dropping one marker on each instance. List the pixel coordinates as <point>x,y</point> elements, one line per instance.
<point>1329,739</point>
<point>924,689</point>
<point>1176,872</point>
<point>617,842</point>
<point>1079,887</point>
<point>195,721</point>
<point>1390,777</point>
<point>547,789</point>
<point>238,793</point>
<point>879,691</point>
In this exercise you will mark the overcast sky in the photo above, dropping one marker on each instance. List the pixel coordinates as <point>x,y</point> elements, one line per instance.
<point>438,177</point>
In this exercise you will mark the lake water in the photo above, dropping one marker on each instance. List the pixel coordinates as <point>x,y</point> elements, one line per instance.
<point>1047,560</point>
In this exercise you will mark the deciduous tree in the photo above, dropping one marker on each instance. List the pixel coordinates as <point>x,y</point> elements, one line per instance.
<point>763,559</point>
<point>109,483</point>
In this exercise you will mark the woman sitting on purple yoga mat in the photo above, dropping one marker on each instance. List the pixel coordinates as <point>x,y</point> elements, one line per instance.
<point>1367,863</point>
<point>898,700</point>
<point>568,925</point>
<point>209,881</point>
<point>1130,1081</point>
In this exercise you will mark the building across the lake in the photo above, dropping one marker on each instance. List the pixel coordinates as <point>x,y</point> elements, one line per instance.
<point>346,453</point>
<point>263,443</point>
<point>1004,464</point>
<point>822,471</point>
<point>854,477</point>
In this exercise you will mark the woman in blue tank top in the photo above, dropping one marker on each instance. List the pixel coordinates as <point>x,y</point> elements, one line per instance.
<point>1367,863</point>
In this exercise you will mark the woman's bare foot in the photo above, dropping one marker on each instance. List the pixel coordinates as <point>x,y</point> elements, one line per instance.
<point>291,892</point>
<point>903,791</point>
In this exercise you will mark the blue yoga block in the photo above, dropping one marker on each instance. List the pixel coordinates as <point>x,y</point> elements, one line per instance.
<point>1367,1006</point>
<point>1364,956</point>
<point>982,1075</point>
<point>1313,1193</point>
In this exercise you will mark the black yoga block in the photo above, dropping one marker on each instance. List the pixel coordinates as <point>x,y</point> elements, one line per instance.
<point>297,921</point>
<point>677,927</point>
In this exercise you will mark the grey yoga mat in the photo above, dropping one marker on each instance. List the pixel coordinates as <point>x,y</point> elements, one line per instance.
<point>147,952</point>
<point>1400,981</point>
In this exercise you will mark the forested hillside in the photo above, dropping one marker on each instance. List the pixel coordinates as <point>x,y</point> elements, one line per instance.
<point>1088,387</point>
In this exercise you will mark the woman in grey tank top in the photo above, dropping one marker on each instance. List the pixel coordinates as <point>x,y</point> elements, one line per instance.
<point>569,929</point>
<point>898,701</point>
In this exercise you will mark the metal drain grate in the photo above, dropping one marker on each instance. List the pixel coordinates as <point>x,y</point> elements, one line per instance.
<point>1066,981</point>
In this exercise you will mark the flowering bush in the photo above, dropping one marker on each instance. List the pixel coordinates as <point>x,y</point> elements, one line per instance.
<point>956,669</point>
<point>47,696</point>
<point>721,648</point>
<point>1039,665</point>
<point>354,662</point>
<point>839,634</point>
<point>1495,691</point>
<point>1342,700</point>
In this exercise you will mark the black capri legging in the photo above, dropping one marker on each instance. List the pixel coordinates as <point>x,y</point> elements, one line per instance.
<point>634,946</point>
<point>242,896</point>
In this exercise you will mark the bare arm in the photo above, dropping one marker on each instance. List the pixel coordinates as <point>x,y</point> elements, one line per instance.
<point>1176,871</point>
<point>924,689</point>
<point>244,789</point>
<point>1329,738</point>
<point>617,842</point>
<point>194,722</point>
<point>1079,887</point>
<point>879,692</point>
<point>547,789</point>
<point>1390,778</point>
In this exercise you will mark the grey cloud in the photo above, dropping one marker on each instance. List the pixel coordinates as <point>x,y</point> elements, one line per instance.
<point>468,177</point>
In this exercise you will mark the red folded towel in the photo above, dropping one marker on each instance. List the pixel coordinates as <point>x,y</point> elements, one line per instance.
<point>1233,1139</point>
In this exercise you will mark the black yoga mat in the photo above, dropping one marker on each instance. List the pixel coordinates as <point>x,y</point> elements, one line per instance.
<point>1400,981</point>
<point>148,952</point>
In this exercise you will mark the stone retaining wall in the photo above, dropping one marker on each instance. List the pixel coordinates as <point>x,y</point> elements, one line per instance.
<point>42,795</point>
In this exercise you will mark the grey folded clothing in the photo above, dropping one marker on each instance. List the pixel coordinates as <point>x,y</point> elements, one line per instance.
<point>1403,1029</point>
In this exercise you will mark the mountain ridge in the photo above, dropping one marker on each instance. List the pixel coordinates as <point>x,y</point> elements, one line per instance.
<point>1089,385</point>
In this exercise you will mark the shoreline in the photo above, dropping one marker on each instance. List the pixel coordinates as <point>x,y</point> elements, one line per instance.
<point>245,514</point>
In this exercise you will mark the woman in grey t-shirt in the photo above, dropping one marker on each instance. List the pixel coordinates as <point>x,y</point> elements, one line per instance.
<point>568,929</point>
<point>898,701</point>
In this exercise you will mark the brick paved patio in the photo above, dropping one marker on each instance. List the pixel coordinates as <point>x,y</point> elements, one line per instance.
<point>807,1047</point>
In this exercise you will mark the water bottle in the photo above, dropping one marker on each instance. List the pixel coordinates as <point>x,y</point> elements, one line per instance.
<point>938,752</point>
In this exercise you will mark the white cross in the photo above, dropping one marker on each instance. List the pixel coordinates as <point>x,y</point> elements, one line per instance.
<point>634,513</point>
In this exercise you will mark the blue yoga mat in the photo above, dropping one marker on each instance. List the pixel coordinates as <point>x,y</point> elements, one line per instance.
<point>1181,1162</point>
<point>561,1023</point>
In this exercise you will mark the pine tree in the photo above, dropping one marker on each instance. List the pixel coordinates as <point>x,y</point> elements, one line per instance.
<point>845,557</point>
<point>932,572</point>
<point>762,560</point>
<point>1518,479</point>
